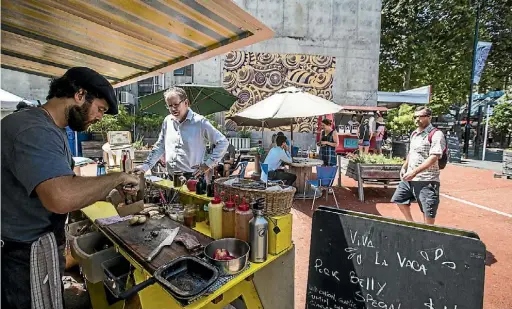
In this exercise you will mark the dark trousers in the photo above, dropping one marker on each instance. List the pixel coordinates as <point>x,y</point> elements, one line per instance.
<point>16,276</point>
<point>287,178</point>
<point>16,292</point>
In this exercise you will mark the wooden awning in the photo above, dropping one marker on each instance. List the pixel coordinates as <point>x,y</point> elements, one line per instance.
<point>125,40</point>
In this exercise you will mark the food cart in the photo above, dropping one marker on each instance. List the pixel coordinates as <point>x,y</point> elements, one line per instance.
<point>255,285</point>
<point>150,39</point>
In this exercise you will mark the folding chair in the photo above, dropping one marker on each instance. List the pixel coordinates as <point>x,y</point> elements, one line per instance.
<point>325,179</point>
<point>264,169</point>
<point>242,166</point>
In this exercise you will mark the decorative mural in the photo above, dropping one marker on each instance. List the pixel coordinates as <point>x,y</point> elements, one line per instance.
<point>253,77</point>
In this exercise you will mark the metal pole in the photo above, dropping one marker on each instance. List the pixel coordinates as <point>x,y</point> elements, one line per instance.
<point>486,130</point>
<point>76,143</point>
<point>476,146</point>
<point>470,101</point>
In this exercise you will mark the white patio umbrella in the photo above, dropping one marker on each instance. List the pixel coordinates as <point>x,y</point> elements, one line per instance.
<point>281,109</point>
<point>9,100</point>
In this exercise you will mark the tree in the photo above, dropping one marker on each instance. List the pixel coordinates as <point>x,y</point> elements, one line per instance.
<point>401,120</point>
<point>501,120</point>
<point>431,42</point>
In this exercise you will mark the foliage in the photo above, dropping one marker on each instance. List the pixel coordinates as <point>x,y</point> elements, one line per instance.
<point>123,121</point>
<point>215,124</point>
<point>138,144</point>
<point>501,120</point>
<point>400,121</point>
<point>244,133</point>
<point>375,159</point>
<point>431,42</point>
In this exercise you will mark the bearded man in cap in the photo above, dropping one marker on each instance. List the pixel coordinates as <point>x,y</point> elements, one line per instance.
<point>39,187</point>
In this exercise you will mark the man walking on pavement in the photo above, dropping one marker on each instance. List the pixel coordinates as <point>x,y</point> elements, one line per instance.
<point>420,172</point>
<point>39,187</point>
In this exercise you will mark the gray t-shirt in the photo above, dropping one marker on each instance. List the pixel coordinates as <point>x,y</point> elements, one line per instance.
<point>34,150</point>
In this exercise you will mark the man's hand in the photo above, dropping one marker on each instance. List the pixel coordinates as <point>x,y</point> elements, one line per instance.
<point>137,170</point>
<point>403,171</point>
<point>201,169</point>
<point>409,176</point>
<point>129,184</point>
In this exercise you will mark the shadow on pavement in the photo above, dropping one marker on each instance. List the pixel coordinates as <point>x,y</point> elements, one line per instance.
<point>348,199</point>
<point>489,258</point>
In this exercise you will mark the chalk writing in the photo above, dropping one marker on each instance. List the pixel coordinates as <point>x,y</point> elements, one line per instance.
<point>361,240</point>
<point>412,264</point>
<point>322,299</point>
<point>370,284</point>
<point>437,254</point>
<point>325,270</point>
<point>379,262</point>
<point>370,300</point>
<point>430,305</point>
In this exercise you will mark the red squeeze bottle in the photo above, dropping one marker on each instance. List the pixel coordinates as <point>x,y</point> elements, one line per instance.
<point>242,217</point>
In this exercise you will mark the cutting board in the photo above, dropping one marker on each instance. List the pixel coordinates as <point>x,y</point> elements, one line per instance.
<point>132,240</point>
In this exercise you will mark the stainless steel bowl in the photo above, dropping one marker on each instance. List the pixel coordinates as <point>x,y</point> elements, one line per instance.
<point>236,247</point>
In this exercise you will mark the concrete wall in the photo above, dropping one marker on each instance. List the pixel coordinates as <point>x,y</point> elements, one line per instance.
<point>29,87</point>
<point>346,29</point>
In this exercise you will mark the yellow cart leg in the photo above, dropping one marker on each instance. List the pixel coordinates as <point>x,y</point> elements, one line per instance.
<point>245,289</point>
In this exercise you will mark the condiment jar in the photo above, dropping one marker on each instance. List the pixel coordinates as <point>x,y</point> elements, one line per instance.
<point>228,219</point>
<point>243,215</point>
<point>189,215</point>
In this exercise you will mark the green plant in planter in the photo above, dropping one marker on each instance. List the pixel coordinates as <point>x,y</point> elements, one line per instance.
<point>244,133</point>
<point>375,159</point>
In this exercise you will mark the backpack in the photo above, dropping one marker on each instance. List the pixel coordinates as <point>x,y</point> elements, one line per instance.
<point>385,134</point>
<point>444,157</point>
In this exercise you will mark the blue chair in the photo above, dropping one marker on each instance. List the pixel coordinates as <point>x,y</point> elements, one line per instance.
<point>264,169</point>
<point>242,166</point>
<point>295,151</point>
<point>325,179</point>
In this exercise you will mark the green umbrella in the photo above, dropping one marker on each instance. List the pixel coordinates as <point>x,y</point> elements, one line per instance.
<point>204,100</point>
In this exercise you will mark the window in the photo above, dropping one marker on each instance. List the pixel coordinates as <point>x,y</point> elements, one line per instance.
<point>184,71</point>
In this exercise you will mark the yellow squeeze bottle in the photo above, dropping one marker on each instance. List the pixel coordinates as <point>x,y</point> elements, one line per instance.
<point>215,216</point>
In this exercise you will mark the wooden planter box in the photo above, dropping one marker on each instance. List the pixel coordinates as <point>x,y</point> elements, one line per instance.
<point>375,174</point>
<point>141,155</point>
<point>374,171</point>
<point>507,162</point>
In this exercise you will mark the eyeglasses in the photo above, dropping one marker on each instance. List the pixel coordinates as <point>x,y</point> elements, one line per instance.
<point>420,116</point>
<point>174,106</point>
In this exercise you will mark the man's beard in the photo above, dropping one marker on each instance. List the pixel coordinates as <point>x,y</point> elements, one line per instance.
<point>78,117</point>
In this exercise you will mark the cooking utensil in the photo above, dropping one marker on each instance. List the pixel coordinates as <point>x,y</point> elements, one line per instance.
<point>187,277</point>
<point>237,248</point>
<point>171,234</point>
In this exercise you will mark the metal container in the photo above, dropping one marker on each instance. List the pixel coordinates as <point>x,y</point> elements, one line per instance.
<point>258,233</point>
<point>236,247</point>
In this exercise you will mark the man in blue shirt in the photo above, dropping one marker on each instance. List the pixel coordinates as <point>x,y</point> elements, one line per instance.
<point>278,155</point>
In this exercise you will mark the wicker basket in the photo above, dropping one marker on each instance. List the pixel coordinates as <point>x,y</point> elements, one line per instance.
<point>277,203</point>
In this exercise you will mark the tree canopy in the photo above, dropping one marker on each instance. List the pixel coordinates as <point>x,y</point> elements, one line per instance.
<point>431,43</point>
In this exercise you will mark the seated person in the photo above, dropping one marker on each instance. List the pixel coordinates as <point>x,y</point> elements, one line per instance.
<point>227,161</point>
<point>276,156</point>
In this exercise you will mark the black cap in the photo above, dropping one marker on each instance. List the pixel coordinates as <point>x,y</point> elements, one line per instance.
<point>89,78</point>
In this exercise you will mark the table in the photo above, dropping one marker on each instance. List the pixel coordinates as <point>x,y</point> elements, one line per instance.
<point>257,285</point>
<point>303,169</point>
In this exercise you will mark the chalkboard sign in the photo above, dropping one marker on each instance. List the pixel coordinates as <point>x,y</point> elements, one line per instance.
<point>453,148</point>
<point>363,261</point>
